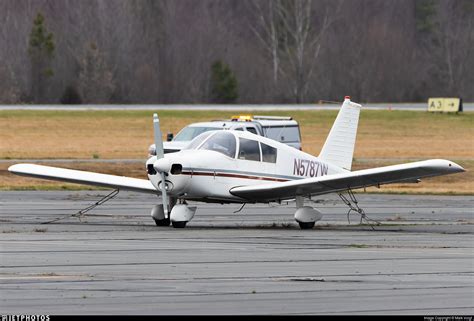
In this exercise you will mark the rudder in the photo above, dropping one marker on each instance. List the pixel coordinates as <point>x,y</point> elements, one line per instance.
<point>339,146</point>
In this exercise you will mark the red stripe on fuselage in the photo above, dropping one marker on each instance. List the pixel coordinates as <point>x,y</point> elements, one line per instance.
<point>259,178</point>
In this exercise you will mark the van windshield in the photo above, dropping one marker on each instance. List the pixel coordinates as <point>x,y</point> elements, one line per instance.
<point>188,133</point>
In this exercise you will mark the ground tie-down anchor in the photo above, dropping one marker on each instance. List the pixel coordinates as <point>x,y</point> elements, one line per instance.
<point>81,213</point>
<point>354,207</point>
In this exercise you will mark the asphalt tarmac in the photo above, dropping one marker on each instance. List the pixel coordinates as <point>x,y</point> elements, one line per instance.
<point>257,261</point>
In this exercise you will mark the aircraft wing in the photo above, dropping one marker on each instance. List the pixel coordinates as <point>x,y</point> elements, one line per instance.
<point>339,182</point>
<point>83,177</point>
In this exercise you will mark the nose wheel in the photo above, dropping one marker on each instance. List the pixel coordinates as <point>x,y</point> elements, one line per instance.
<point>180,214</point>
<point>158,214</point>
<point>163,222</point>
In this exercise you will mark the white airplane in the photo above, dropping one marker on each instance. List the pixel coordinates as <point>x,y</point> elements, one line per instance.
<point>240,167</point>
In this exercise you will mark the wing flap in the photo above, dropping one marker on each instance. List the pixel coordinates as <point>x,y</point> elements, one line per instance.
<point>339,182</point>
<point>83,177</point>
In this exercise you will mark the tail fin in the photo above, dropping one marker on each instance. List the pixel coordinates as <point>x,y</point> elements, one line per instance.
<point>339,146</point>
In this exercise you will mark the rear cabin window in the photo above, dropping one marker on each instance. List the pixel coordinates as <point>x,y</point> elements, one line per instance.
<point>288,134</point>
<point>249,150</point>
<point>269,153</point>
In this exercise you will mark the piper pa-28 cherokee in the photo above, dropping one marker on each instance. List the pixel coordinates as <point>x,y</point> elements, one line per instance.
<point>241,167</point>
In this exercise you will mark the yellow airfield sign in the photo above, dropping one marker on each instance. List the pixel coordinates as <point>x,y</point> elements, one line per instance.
<point>447,105</point>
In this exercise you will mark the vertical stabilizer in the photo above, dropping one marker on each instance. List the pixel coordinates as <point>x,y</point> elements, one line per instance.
<point>339,146</point>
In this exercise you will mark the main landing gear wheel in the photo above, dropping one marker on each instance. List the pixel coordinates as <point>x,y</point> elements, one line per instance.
<point>164,222</point>
<point>307,216</point>
<point>306,225</point>
<point>179,224</point>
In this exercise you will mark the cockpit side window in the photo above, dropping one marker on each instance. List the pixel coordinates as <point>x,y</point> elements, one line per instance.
<point>249,149</point>
<point>269,154</point>
<point>222,142</point>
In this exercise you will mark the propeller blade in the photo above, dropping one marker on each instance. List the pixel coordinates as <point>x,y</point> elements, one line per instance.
<point>158,137</point>
<point>160,155</point>
<point>164,194</point>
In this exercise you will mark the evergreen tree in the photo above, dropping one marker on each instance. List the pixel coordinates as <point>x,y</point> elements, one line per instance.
<point>41,52</point>
<point>223,84</point>
<point>425,10</point>
<point>96,79</point>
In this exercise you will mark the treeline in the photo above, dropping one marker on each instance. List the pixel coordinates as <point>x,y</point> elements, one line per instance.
<point>228,51</point>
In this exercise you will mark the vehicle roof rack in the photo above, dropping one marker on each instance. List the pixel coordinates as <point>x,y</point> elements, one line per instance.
<point>273,117</point>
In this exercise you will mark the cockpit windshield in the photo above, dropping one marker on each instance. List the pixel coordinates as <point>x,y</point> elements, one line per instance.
<point>198,140</point>
<point>222,142</point>
<point>188,133</point>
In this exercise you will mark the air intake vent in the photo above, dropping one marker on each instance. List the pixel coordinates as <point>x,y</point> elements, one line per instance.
<point>176,169</point>
<point>150,169</point>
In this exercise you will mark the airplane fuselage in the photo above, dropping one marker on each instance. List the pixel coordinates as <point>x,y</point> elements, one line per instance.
<point>208,175</point>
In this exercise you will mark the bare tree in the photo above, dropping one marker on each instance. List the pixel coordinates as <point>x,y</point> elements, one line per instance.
<point>96,81</point>
<point>9,91</point>
<point>453,48</point>
<point>266,30</point>
<point>290,31</point>
<point>161,51</point>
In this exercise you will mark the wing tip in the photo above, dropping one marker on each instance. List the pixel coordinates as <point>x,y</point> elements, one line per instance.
<point>445,164</point>
<point>15,168</point>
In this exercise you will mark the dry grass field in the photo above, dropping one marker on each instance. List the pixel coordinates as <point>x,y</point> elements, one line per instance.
<point>384,138</point>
